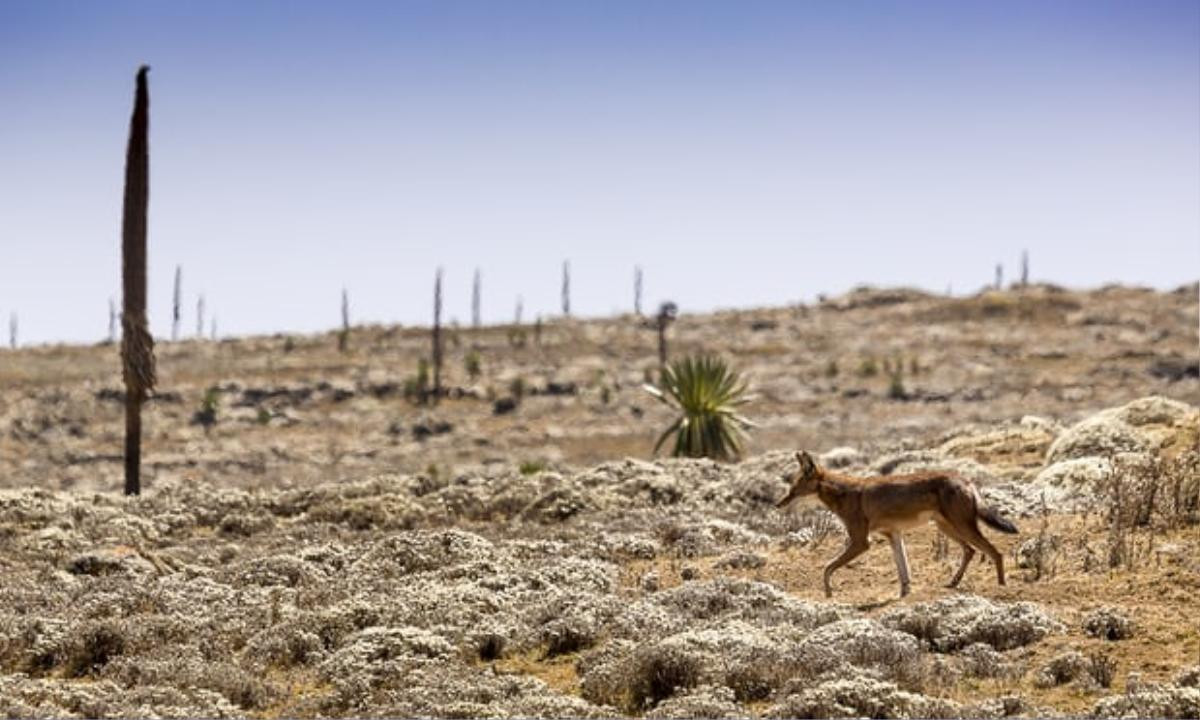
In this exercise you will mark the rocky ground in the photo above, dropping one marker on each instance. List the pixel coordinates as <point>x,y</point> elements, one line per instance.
<point>321,546</point>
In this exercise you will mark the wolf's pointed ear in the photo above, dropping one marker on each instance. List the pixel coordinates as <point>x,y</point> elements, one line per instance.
<point>806,462</point>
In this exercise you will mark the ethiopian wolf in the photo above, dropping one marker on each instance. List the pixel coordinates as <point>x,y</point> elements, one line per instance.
<point>890,504</point>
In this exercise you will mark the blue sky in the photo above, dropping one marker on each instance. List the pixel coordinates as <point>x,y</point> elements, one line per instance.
<point>743,153</point>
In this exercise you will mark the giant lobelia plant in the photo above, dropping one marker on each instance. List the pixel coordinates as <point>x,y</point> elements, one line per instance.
<point>707,394</point>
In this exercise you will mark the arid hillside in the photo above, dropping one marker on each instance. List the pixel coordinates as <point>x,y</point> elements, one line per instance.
<point>313,541</point>
<point>870,367</point>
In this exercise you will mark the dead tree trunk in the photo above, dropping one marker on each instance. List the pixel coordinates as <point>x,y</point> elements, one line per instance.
<point>566,288</point>
<point>137,346</point>
<point>437,337</point>
<point>344,335</point>
<point>666,315</point>
<point>637,291</point>
<point>476,302</point>
<point>177,299</point>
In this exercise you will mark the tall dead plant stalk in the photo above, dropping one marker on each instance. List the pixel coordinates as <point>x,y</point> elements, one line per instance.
<point>137,346</point>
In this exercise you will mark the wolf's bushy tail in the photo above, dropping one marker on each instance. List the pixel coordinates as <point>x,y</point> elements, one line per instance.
<point>993,519</point>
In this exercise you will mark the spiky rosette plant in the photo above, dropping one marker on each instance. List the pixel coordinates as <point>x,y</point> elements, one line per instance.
<point>707,393</point>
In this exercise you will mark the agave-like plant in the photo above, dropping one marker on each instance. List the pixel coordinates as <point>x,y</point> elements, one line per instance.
<point>706,393</point>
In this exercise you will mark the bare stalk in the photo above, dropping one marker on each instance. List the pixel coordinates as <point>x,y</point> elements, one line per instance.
<point>437,336</point>
<point>566,287</point>
<point>666,315</point>
<point>476,301</point>
<point>344,335</point>
<point>137,346</point>
<point>176,312</point>
<point>637,290</point>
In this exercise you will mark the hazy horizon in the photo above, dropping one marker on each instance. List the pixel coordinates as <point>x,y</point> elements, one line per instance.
<point>743,154</point>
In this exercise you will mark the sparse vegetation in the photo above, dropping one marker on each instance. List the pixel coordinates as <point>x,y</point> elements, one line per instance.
<point>206,415</point>
<point>355,556</point>
<point>896,389</point>
<point>532,467</point>
<point>1101,668</point>
<point>473,364</point>
<point>416,388</point>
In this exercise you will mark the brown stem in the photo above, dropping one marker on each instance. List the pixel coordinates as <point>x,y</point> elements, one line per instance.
<point>137,346</point>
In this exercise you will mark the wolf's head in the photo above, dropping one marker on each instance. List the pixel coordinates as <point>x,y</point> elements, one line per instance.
<point>803,481</point>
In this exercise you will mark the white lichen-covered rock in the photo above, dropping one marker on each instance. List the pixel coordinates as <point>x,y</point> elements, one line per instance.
<point>861,642</point>
<point>1004,706</point>
<point>1061,669</point>
<point>1188,677</point>
<point>189,669</point>
<point>982,660</point>
<point>1155,410</point>
<point>1012,444</point>
<point>755,602</point>
<point>1101,435</point>
<point>1037,422</point>
<point>740,560</point>
<point>25,697</point>
<point>568,622</point>
<point>840,457</point>
<point>1108,623</point>
<point>1073,482</point>
<point>960,620</point>
<point>1159,701</point>
<point>1137,427</point>
<point>376,645</point>
<point>707,537</point>
<point>425,551</point>
<point>931,460</point>
<point>604,672</point>
<point>734,655</point>
<point>552,705</point>
<point>437,689</point>
<point>120,560</point>
<point>761,480</point>
<point>856,696</point>
<point>705,701</point>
